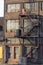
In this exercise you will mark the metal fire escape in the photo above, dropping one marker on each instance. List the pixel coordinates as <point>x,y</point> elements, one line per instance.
<point>31,33</point>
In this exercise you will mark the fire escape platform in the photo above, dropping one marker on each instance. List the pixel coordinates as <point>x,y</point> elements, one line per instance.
<point>33,16</point>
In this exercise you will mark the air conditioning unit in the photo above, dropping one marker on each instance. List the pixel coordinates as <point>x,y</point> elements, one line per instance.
<point>22,60</point>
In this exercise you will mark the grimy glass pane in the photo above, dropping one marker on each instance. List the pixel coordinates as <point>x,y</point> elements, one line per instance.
<point>12,25</point>
<point>11,7</point>
<point>32,6</point>
<point>16,54</point>
<point>27,7</point>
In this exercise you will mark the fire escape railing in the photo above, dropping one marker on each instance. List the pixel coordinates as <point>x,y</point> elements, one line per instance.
<point>35,25</point>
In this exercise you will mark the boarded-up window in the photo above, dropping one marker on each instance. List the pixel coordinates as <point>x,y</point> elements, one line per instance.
<point>1,50</point>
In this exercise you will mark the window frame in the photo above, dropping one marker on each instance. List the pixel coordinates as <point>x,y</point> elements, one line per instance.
<point>41,6</point>
<point>7,29</point>
<point>30,6</point>
<point>15,7</point>
<point>16,54</point>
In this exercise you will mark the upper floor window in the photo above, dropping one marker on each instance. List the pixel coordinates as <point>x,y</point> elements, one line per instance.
<point>12,25</point>
<point>33,6</point>
<point>13,7</point>
<point>29,6</point>
<point>27,25</point>
<point>41,5</point>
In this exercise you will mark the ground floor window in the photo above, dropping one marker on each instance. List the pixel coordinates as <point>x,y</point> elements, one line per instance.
<point>16,53</point>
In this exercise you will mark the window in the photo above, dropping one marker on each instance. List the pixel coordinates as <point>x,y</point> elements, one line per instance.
<point>27,25</point>
<point>7,52</point>
<point>12,25</point>
<point>1,32</point>
<point>41,5</point>
<point>33,6</point>
<point>16,53</point>
<point>13,7</point>
<point>1,28</point>
<point>29,6</point>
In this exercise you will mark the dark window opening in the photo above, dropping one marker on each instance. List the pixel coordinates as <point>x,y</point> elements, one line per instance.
<point>1,28</point>
<point>7,53</point>
<point>15,52</point>
<point>41,26</point>
<point>41,5</point>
